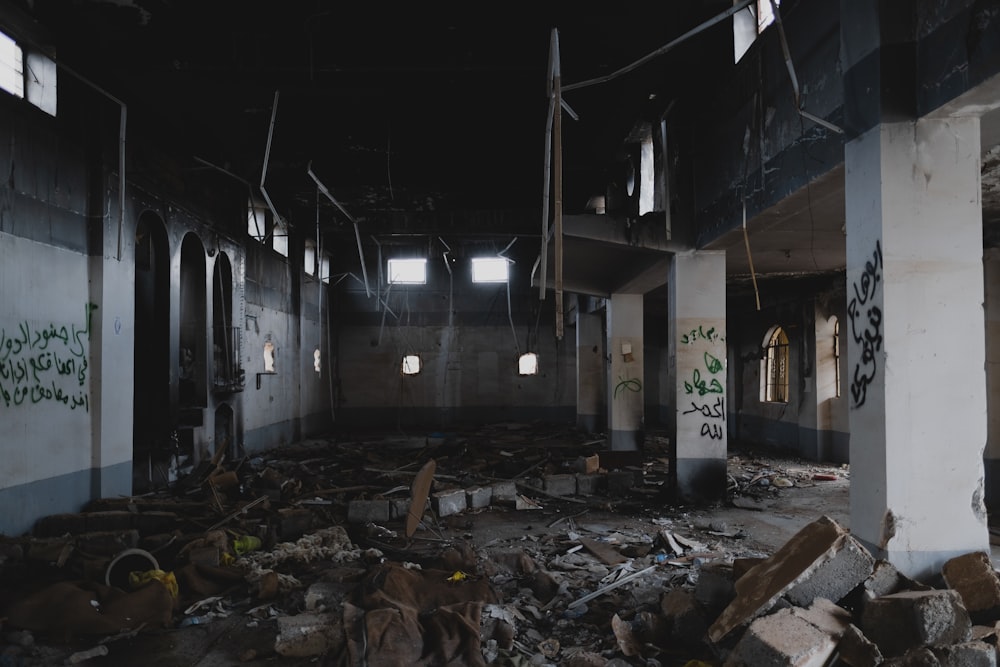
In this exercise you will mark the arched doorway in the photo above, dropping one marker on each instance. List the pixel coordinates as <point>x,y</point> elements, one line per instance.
<point>151,424</point>
<point>192,390</point>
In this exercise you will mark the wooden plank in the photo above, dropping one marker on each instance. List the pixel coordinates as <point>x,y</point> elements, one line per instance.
<point>608,555</point>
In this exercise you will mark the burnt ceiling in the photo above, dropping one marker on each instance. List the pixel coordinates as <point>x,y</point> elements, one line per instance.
<point>397,111</point>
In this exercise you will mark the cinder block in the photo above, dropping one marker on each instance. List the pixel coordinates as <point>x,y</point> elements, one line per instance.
<point>686,618</point>
<point>366,511</point>
<point>560,485</point>
<point>106,522</point>
<point>715,588</point>
<point>309,635</point>
<point>968,654</point>
<point>973,576</point>
<point>399,508</point>
<point>588,485</point>
<point>835,578</point>
<point>620,482</point>
<point>826,616</point>
<point>323,596</point>
<point>449,502</point>
<point>911,619</point>
<point>783,638</point>
<point>57,525</point>
<point>479,497</point>
<point>504,493</point>
<point>797,560</point>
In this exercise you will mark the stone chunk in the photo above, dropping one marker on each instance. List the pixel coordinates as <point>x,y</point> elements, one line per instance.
<point>856,650</point>
<point>560,485</point>
<point>973,576</point>
<point>968,654</point>
<point>835,578</point>
<point>807,551</point>
<point>449,502</point>
<point>783,638</point>
<point>885,579</point>
<point>479,497</point>
<point>505,493</point>
<point>911,619</point>
<point>309,635</point>
<point>368,511</point>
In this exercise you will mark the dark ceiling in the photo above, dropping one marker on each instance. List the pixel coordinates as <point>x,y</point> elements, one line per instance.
<point>396,110</point>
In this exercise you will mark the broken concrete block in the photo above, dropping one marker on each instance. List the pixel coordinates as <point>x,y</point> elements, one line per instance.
<point>479,497</point>
<point>798,559</point>
<point>504,493</point>
<point>449,502</point>
<point>783,638</point>
<point>685,617</point>
<point>368,511</point>
<point>973,576</point>
<point>716,586</point>
<point>918,657</point>
<point>856,650</point>
<point>308,635</point>
<point>560,485</point>
<point>588,485</point>
<point>825,615</point>
<point>399,507</point>
<point>324,596</point>
<point>911,619</point>
<point>967,654</point>
<point>620,482</point>
<point>837,577</point>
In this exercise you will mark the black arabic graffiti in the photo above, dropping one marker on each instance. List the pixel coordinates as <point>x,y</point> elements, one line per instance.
<point>866,326</point>
<point>46,364</point>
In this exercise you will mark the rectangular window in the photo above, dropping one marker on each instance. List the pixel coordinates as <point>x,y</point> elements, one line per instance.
<point>527,364</point>
<point>489,269</point>
<point>407,271</point>
<point>309,258</point>
<point>40,81</point>
<point>257,220</point>
<point>279,241</point>
<point>11,66</point>
<point>749,23</point>
<point>324,268</point>
<point>411,364</point>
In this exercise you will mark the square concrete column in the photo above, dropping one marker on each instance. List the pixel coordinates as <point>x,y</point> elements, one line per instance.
<point>589,372</point>
<point>625,371</point>
<point>991,266</point>
<point>697,342</point>
<point>916,381</point>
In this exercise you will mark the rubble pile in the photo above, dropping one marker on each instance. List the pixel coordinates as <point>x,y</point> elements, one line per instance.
<point>510,545</point>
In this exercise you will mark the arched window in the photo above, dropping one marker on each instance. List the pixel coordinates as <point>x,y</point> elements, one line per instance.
<point>774,379</point>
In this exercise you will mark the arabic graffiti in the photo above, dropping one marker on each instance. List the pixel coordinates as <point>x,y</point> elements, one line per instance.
<point>866,326</point>
<point>46,364</point>
<point>712,413</point>
<point>701,333</point>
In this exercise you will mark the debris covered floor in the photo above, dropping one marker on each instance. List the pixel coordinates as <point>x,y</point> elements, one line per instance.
<point>511,544</point>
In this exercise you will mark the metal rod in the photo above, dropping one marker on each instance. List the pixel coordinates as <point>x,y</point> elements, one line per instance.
<point>357,232</point>
<point>557,186</point>
<point>267,156</point>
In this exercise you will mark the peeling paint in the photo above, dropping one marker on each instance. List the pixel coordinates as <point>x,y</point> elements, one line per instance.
<point>888,530</point>
<point>978,502</point>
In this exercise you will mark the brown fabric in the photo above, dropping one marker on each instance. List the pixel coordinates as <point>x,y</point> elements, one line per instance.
<point>416,617</point>
<point>66,610</point>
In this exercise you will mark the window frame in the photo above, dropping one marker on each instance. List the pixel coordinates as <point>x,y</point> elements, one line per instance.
<point>775,362</point>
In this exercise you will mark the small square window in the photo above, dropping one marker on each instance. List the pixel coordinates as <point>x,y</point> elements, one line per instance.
<point>407,271</point>
<point>527,364</point>
<point>309,257</point>
<point>489,269</point>
<point>324,268</point>
<point>411,364</point>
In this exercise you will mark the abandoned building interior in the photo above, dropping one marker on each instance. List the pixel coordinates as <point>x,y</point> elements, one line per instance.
<point>636,249</point>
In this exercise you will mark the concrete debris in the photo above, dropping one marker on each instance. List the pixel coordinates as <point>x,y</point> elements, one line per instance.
<point>372,552</point>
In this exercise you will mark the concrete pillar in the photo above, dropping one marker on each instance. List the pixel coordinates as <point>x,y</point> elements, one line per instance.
<point>589,372</point>
<point>916,382</point>
<point>697,342</point>
<point>991,266</point>
<point>625,371</point>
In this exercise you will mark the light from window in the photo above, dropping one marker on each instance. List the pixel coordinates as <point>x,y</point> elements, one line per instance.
<point>324,268</point>
<point>748,23</point>
<point>407,271</point>
<point>527,364</point>
<point>257,220</point>
<point>317,366</point>
<point>309,257</point>
<point>40,82</point>
<point>411,364</point>
<point>11,66</point>
<point>279,240</point>
<point>489,269</point>
<point>765,14</point>
<point>646,175</point>
<point>776,367</point>
<point>269,357</point>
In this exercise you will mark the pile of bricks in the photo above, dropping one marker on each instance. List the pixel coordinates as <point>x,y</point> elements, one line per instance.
<point>823,599</point>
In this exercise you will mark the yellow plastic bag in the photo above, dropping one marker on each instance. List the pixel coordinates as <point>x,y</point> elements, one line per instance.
<point>137,578</point>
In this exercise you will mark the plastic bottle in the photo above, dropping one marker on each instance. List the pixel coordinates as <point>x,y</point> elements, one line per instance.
<point>194,620</point>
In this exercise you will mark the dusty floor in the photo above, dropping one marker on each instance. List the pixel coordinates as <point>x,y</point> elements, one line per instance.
<point>531,559</point>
